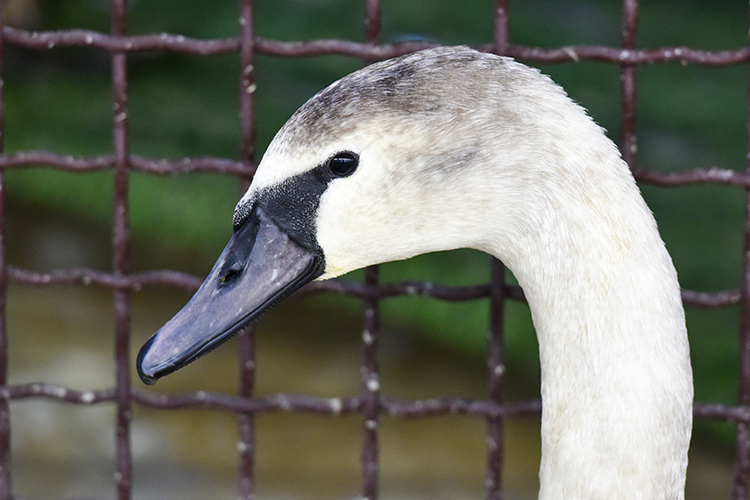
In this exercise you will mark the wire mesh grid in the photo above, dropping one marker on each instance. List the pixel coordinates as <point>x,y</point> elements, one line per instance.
<point>370,403</point>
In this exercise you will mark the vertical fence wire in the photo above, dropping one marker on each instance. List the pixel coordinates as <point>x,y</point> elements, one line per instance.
<point>372,21</point>
<point>5,464</point>
<point>247,86</point>
<point>627,83</point>
<point>370,335</point>
<point>246,420</point>
<point>371,382</point>
<point>120,241</point>
<point>742,451</point>
<point>496,343</point>
<point>501,33</point>
<point>495,377</point>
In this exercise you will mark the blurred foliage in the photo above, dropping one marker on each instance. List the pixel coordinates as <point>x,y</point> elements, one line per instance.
<point>180,106</point>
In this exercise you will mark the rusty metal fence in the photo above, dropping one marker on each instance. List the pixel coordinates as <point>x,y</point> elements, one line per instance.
<point>370,403</point>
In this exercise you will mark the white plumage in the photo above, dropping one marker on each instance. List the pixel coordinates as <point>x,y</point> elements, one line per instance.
<point>450,148</point>
<point>462,149</point>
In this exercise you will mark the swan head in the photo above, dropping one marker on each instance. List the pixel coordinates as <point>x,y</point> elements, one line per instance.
<point>384,164</point>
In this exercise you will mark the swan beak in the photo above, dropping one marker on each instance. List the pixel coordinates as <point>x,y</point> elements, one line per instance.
<point>260,266</point>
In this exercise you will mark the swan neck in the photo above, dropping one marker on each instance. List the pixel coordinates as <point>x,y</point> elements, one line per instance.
<point>616,377</point>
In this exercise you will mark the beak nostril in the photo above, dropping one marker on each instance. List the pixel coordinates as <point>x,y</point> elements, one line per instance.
<point>229,276</point>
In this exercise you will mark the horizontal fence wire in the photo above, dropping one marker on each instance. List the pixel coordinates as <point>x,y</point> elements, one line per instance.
<point>186,45</point>
<point>139,281</point>
<point>371,404</point>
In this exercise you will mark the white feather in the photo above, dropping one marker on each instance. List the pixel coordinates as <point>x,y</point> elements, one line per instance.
<point>461,149</point>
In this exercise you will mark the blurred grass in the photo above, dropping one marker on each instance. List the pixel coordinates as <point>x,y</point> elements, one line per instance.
<point>180,106</point>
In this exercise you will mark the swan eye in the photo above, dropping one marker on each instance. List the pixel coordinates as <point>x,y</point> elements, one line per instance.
<point>343,164</point>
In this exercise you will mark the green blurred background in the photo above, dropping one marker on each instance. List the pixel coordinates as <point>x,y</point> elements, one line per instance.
<point>181,106</point>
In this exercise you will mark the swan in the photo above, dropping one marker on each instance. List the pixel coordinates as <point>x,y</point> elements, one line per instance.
<point>450,148</point>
